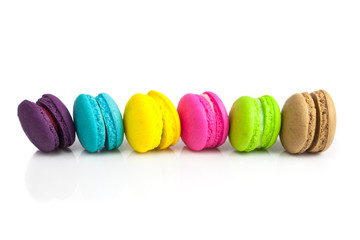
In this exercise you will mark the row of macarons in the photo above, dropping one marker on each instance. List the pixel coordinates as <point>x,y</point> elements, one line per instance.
<point>306,123</point>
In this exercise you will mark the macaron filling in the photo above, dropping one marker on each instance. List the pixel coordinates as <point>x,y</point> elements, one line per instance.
<point>219,121</point>
<point>215,121</point>
<point>207,97</point>
<point>158,125</point>
<point>52,120</point>
<point>210,116</point>
<point>322,123</point>
<point>99,122</point>
<point>255,139</point>
<point>261,121</point>
<point>110,128</point>
<point>57,118</point>
<point>52,124</point>
<point>268,122</point>
<point>169,131</point>
<point>311,133</point>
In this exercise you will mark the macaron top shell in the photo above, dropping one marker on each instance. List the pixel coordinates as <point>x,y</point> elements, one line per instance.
<point>112,119</point>
<point>143,123</point>
<point>37,126</point>
<point>89,123</point>
<point>194,122</point>
<point>62,117</point>
<point>245,124</point>
<point>298,123</point>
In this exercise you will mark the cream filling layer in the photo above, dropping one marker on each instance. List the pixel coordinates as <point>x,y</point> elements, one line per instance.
<point>261,121</point>
<point>208,99</point>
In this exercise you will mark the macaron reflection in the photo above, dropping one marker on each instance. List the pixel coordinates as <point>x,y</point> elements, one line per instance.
<point>101,175</point>
<point>254,163</point>
<point>52,178</point>
<point>152,174</point>
<point>202,169</point>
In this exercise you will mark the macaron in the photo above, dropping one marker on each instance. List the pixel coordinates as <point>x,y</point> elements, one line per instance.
<point>47,123</point>
<point>254,123</point>
<point>308,122</point>
<point>204,120</point>
<point>151,122</point>
<point>98,122</point>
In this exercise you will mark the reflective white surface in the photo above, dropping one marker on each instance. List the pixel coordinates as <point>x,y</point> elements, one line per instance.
<point>214,193</point>
<point>107,175</point>
<point>232,48</point>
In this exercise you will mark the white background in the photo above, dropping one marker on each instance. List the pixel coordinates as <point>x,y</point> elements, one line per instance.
<point>232,48</point>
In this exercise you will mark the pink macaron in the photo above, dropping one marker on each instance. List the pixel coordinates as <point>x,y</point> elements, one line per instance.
<point>204,120</point>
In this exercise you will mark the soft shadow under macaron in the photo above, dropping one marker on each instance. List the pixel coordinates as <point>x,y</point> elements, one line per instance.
<point>52,176</point>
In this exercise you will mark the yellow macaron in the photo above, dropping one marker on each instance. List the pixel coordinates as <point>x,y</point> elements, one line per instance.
<point>151,121</point>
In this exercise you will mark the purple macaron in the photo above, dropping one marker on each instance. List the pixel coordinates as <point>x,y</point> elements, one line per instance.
<point>47,123</point>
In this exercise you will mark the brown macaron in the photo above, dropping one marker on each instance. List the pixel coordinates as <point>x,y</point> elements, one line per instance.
<point>308,122</point>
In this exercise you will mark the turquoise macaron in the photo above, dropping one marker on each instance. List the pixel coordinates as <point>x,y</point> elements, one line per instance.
<point>98,122</point>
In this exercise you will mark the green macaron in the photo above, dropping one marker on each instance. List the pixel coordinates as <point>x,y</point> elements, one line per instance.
<point>254,123</point>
